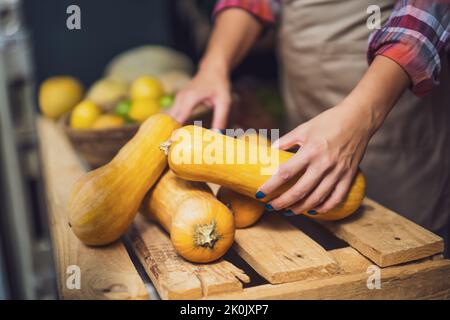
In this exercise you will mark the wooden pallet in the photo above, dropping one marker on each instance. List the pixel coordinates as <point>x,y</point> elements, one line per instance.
<point>275,259</point>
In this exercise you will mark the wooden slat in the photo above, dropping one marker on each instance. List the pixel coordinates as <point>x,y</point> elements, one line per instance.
<point>281,253</point>
<point>174,277</point>
<point>384,236</point>
<point>425,280</point>
<point>350,261</point>
<point>107,272</point>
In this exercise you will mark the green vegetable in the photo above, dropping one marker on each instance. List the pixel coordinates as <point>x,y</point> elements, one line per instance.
<point>166,101</point>
<point>122,109</point>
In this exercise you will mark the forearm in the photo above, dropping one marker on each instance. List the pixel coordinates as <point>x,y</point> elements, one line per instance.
<point>234,33</point>
<point>377,92</point>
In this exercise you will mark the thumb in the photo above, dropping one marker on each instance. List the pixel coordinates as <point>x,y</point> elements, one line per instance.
<point>286,142</point>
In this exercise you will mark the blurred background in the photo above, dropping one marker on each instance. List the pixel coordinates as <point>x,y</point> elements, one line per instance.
<point>121,39</point>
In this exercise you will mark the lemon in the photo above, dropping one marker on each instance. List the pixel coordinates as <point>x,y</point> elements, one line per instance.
<point>146,87</point>
<point>84,115</point>
<point>141,109</point>
<point>58,95</point>
<point>108,121</point>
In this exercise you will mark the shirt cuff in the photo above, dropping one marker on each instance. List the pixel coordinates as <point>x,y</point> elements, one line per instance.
<point>418,68</point>
<point>261,10</point>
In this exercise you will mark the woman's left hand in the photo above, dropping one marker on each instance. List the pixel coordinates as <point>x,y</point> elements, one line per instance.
<point>331,147</point>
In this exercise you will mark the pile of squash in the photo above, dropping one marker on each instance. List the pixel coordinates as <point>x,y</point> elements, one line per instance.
<point>105,201</point>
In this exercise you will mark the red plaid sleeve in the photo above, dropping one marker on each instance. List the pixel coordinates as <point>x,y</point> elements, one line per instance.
<point>416,36</point>
<point>261,9</point>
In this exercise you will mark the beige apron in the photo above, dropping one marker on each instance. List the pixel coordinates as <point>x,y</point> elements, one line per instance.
<point>322,49</point>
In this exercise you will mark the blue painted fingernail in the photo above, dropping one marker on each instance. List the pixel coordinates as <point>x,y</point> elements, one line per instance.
<point>269,207</point>
<point>218,130</point>
<point>289,213</point>
<point>259,195</point>
<point>312,212</point>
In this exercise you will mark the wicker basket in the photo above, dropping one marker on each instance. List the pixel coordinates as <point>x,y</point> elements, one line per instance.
<point>98,147</point>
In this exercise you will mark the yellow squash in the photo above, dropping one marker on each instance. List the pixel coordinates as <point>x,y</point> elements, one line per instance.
<point>246,211</point>
<point>199,154</point>
<point>200,226</point>
<point>104,201</point>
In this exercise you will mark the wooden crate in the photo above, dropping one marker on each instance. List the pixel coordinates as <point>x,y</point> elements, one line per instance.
<point>279,258</point>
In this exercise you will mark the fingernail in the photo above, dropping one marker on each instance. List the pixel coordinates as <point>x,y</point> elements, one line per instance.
<point>289,213</point>
<point>218,130</point>
<point>312,212</point>
<point>259,195</point>
<point>269,207</point>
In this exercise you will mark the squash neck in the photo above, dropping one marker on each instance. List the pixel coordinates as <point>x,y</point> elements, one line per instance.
<point>206,235</point>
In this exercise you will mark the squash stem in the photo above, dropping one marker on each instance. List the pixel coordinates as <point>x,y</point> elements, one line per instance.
<point>165,146</point>
<point>206,235</point>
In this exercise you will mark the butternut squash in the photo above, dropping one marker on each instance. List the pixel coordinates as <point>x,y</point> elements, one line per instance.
<point>198,154</point>
<point>201,227</point>
<point>246,211</point>
<point>105,201</point>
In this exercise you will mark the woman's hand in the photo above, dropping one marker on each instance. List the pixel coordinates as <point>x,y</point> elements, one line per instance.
<point>333,143</point>
<point>331,147</point>
<point>209,87</point>
<point>226,48</point>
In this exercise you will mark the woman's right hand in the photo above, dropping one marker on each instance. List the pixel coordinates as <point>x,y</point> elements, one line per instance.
<point>211,87</point>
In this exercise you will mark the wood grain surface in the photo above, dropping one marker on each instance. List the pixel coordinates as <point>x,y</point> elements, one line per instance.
<point>280,252</point>
<point>384,236</point>
<point>105,272</point>
<point>173,276</point>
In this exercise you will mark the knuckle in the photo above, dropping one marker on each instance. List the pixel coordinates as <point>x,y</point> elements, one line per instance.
<point>284,174</point>
<point>314,201</point>
<point>311,153</point>
<point>316,153</point>
<point>298,193</point>
<point>344,166</point>
<point>331,204</point>
<point>328,160</point>
<point>340,168</point>
<point>336,201</point>
<point>340,199</point>
<point>320,145</point>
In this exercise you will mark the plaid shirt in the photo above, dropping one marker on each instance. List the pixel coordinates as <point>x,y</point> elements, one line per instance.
<point>416,36</point>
